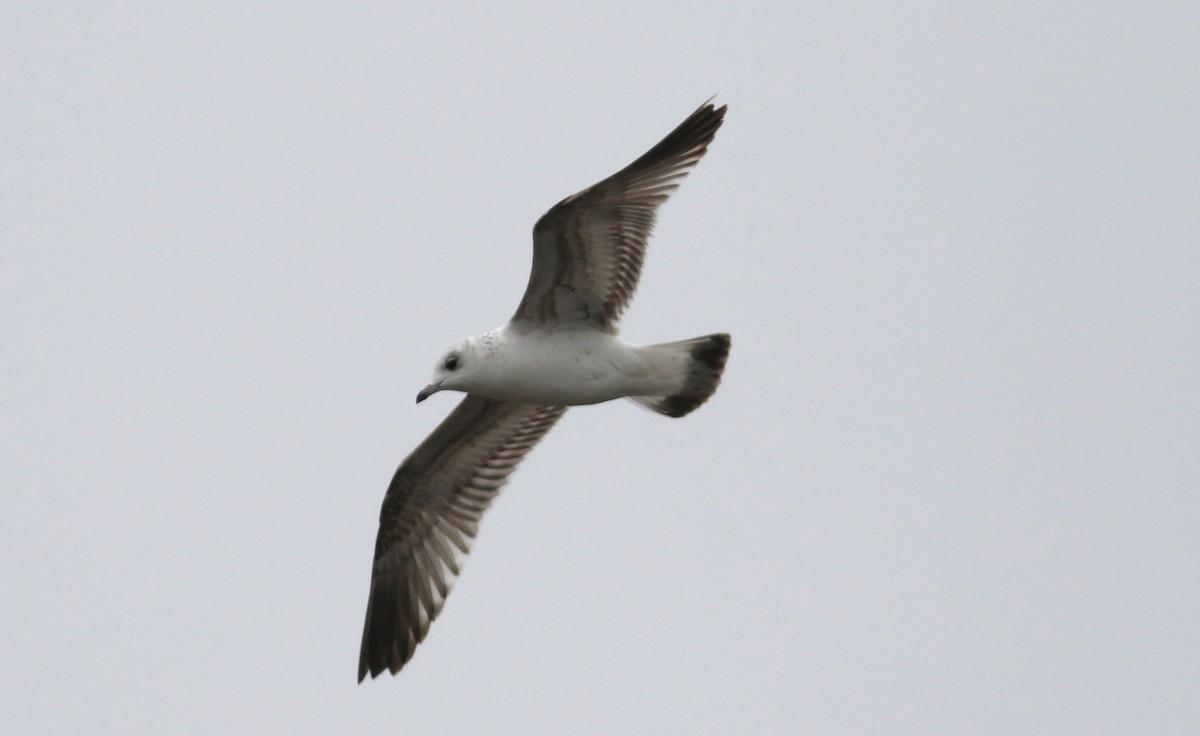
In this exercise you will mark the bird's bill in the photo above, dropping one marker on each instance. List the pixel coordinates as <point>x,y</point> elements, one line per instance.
<point>428,391</point>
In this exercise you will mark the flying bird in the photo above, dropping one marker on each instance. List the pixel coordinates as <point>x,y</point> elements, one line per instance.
<point>560,349</point>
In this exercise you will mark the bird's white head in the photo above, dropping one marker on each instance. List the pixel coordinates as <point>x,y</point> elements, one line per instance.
<point>456,369</point>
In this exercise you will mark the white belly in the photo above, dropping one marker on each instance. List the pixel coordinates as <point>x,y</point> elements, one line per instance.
<point>565,369</point>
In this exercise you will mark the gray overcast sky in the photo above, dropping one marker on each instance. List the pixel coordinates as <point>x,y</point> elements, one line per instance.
<point>950,484</point>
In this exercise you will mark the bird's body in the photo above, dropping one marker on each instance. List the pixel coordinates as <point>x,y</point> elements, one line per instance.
<point>560,349</point>
<point>564,367</point>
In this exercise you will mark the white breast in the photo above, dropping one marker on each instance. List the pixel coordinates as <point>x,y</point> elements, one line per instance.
<point>561,368</point>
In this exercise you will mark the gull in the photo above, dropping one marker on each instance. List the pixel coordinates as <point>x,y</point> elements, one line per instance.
<point>560,349</point>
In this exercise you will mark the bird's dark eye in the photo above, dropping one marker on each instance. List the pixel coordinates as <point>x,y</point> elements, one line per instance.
<point>451,362</point>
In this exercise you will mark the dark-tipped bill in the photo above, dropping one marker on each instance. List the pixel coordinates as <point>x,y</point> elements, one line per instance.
<point>428,391</point>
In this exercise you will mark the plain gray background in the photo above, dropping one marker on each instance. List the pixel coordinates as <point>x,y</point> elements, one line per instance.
<point>950,482</point>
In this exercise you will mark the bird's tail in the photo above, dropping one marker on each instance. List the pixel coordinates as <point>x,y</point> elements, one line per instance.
<point>702,359</point>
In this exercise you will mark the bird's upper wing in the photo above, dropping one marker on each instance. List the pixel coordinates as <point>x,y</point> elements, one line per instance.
<point>588,249</point>
<point>430,516</point>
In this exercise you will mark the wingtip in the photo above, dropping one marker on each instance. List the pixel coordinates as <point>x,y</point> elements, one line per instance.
<point>705,121</point>
<point>363,673</point>
<point>364,666</point>
<point>709,105</point>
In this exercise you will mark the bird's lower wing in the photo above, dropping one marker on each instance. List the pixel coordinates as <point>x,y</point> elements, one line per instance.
<point>431,514</point>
